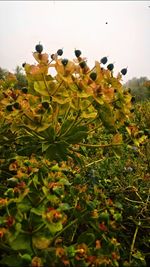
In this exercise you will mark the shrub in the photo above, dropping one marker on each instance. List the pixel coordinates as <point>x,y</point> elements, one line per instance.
<point>54,209</point>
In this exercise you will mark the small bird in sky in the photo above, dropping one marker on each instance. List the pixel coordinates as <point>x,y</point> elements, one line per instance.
<point>106,22</point>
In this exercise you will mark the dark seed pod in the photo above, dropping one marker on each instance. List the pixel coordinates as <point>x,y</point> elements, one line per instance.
<point>133,99</point>
<point>39,48</point>
<point>64,61</point>
<point>127,123</point>
<point>24,90</point>
<point>23,64</point>
<point>93,76</point>
<point>77,53</point>
<point>9,107</point>
<point>110,66</point>
<point>104,60</point>
<point>147,132</point>
<point>124,71</point>
<point>16,105</point>
<point>45,105</point>
<point>82,64</point>
<point>59,52</point>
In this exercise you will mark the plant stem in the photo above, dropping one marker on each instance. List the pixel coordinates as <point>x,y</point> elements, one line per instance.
<point>45,84</point>
<point>133,241</point>
<point>91,163</point>
<point>108,145</point>
<point>64,229</point>
<point>57,88</point>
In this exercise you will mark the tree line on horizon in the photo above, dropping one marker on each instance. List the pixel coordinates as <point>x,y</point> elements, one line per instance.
<point>139,87</point>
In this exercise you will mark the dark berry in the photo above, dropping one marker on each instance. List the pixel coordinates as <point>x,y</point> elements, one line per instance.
<point>24,90</point>
<point>64,61</point>
<point>127,123</point>
<point>16,105</point>
<point>104,60</point>
<point>124,71</point>
<point>82,64</point>
<point>93,76</point>
<point>59,52</point>
<point>77,53</point>
<point>23,64</point>
<point>45,105</point>
<point>39,48</point>
<point>9,107</point>
<point>147,132</point>
<point>110,66</point>
<point>133,99</point>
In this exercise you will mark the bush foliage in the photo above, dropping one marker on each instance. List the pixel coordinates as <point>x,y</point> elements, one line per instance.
<point>74,168</point>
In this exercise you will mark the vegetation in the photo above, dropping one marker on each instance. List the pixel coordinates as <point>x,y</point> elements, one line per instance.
<point>74,167</point>
<point>140,88</point>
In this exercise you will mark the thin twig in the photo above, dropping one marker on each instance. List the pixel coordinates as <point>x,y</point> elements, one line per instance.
<point>133,241</point>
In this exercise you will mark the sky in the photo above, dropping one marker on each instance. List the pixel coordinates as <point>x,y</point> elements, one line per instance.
<point>125,38</point>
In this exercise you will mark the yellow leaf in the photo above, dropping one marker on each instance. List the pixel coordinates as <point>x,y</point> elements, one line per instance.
<point>41,242</point>
<point>89,115</point>
<point>61,101</point>
<point>41,58</point>
<point>41,88</point>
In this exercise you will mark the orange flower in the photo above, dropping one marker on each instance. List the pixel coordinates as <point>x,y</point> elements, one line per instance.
<point>81,251</point>
<point>2,231</point>
<point>115,256</point>
<point>3,201</point>
<point>36,262</point>
<point>60,252</point>
<point>98,244</point>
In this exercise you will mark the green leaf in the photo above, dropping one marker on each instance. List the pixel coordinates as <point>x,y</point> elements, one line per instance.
<point>21,242</point>
<point>66,125</point>
<point>12,261</point>
<point>87,238</point>
<point>38,211</point>
<point>64,181</point>
<point>39,87</point>
<point>45,146</point>
<point>64,206</point>
<point>71,251</point>
<point>60,100</point>
<point>57,151</point>
<point>76,138</point>
<point>48,134</point>
<point>54,227</point>
<point>35,181</point>
<point>25,205</point>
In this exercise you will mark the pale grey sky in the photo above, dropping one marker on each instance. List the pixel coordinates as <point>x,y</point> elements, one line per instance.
<point>77,24</point>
